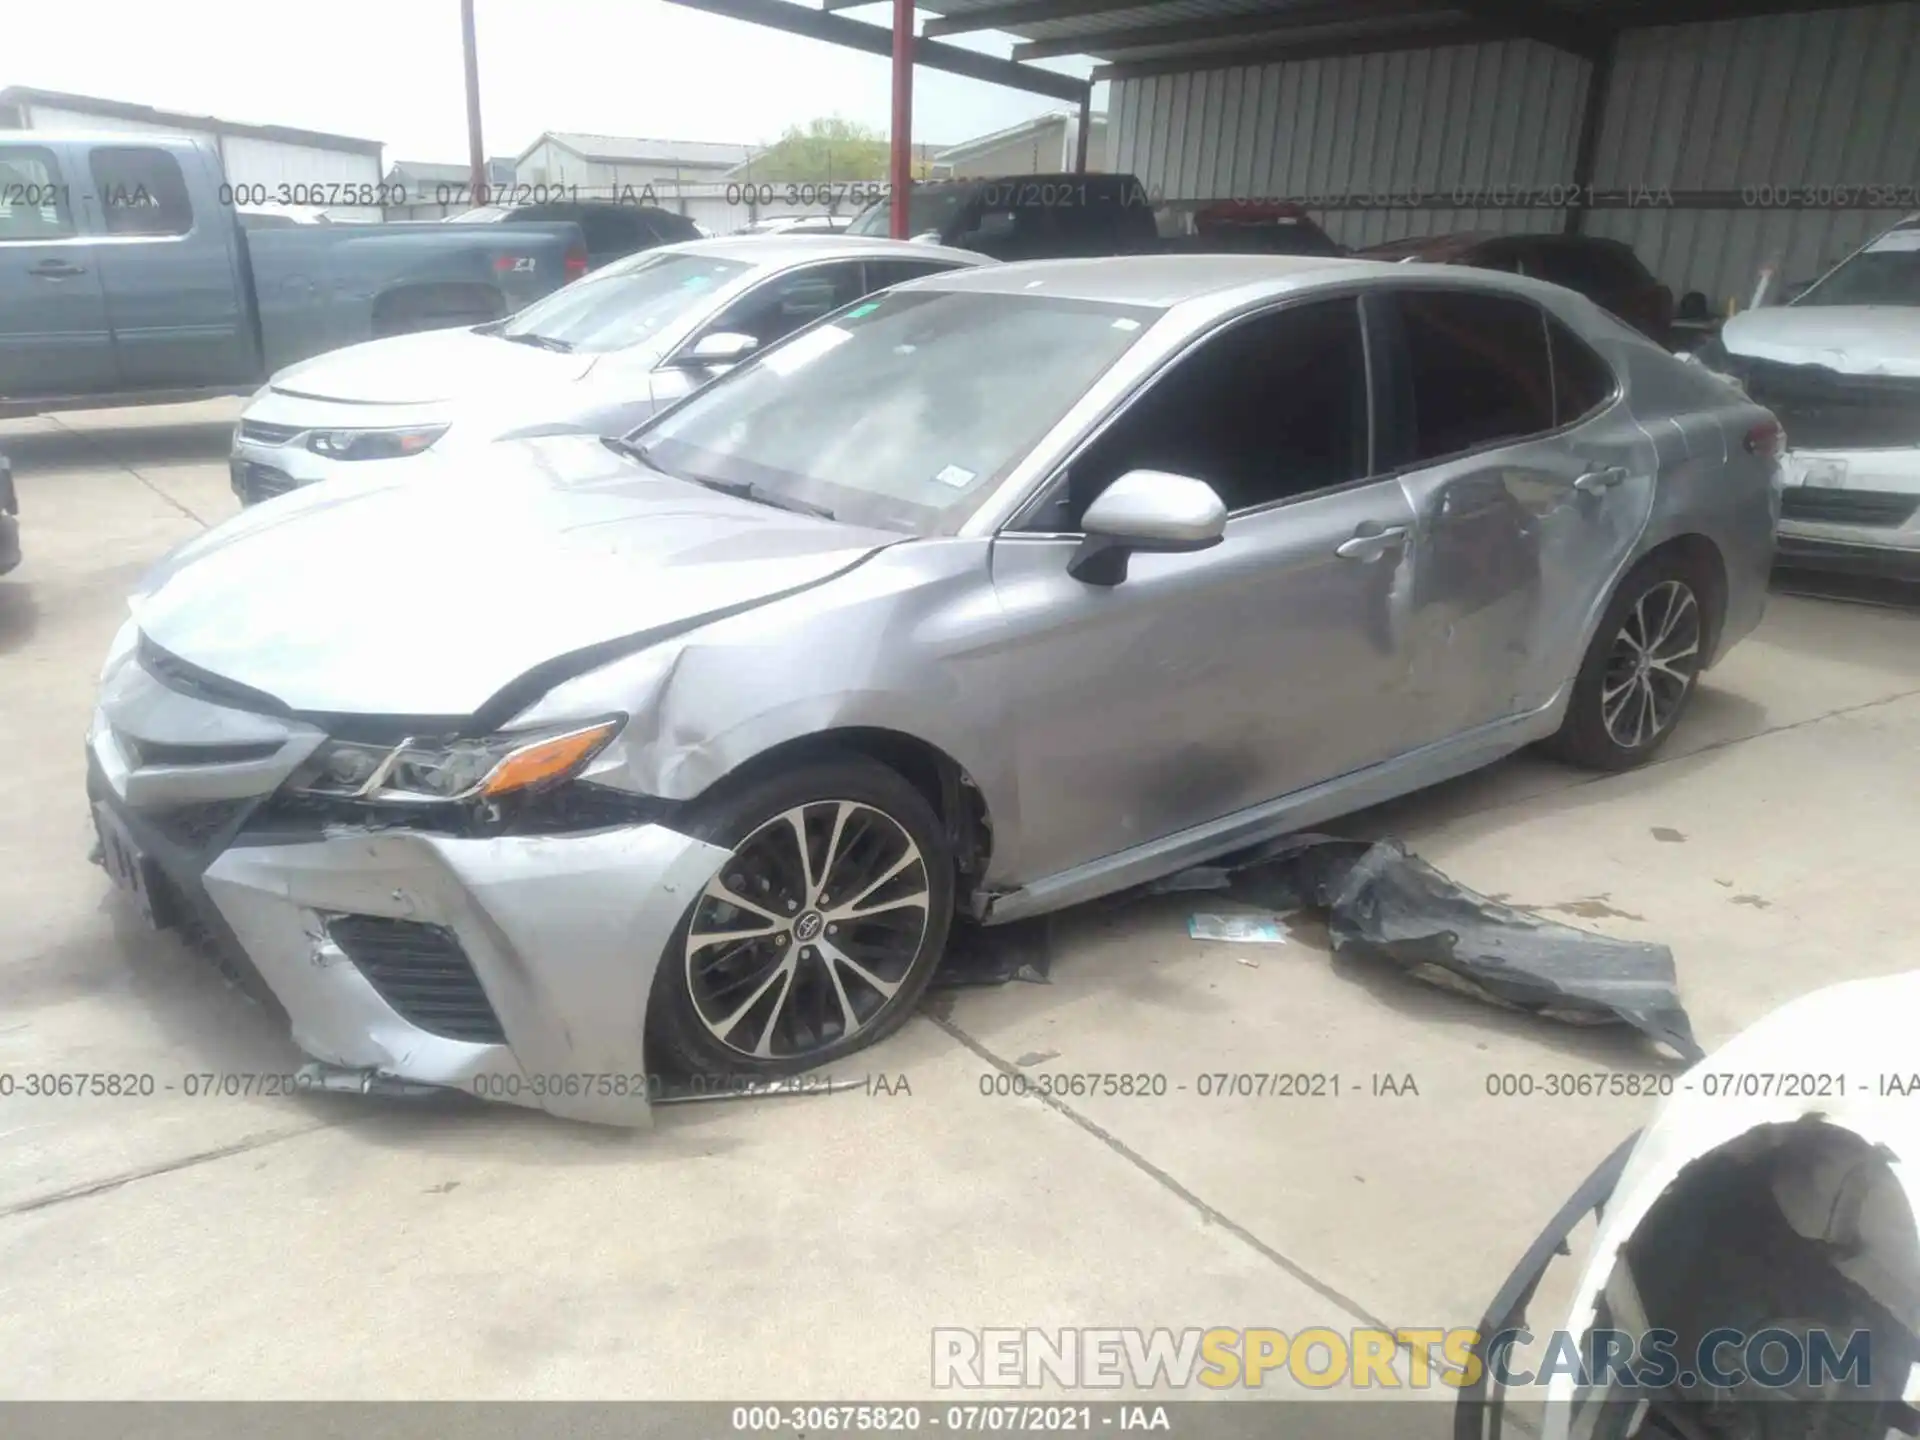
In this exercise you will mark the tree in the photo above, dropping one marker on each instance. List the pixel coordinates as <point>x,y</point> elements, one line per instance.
<point>822,150</point>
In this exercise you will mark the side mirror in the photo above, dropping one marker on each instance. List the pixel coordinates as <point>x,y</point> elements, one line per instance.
<point>723,347</point>
<point>1149,511</point>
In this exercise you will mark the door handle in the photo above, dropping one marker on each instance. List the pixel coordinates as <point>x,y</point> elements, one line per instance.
<point>1595,481</point>
<point>1371,544</point>
<point>56,269</point>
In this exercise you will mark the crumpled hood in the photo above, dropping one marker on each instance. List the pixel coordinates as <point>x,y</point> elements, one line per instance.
<point>1852,339</point>
<point>434,365</point>
<point>429,595</point>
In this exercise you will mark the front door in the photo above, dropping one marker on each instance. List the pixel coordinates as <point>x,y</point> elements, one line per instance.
<point>1205,684</point>
<point>54,338</point>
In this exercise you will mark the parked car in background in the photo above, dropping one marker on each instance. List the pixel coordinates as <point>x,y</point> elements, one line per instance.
<point>1026,217</point>
<point>961,600</point>
<point>613,230</point>
<point>797,225</point>
<point>1241,227</point>
<point>1606,271</point>
<point>1840,365</point>
<point>1044,217</point>
<point>126,275</point>
<point>599,356</point>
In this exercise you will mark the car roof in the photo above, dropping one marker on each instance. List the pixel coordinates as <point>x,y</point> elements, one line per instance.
<point>1163,280</point>
<point>779,248</point>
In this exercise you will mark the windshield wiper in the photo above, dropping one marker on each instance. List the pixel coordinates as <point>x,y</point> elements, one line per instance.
<point>540,342</point>
<point>739,489</point>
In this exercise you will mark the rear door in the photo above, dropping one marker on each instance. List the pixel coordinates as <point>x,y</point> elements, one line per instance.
<point>168,268</point>
<point>1207,683</point>
<point>1530,483</point>
<point>54,337</point>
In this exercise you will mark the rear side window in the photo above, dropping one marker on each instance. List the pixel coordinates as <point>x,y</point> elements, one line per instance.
<point>33,201</point>
<point>1582,381</point>
<point>141,190</point>
<point>1475,373</point>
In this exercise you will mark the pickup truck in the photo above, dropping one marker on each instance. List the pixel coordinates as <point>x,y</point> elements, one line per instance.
<point>128,277</point>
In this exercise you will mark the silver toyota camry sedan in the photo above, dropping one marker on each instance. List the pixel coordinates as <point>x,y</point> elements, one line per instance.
<point>993,593</point>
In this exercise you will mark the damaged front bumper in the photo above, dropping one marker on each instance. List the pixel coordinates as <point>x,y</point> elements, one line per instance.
<point>1852,511</point>
<point>1480,1412</point>
<point>514,968</point>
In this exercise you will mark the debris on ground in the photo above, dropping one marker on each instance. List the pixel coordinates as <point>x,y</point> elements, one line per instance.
<point>994,955</point>
<point>1265,928</point>
<point>1382,900</point>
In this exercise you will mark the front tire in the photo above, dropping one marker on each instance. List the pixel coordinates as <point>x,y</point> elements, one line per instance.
<point>819,934</point>
<point>1640,671</point>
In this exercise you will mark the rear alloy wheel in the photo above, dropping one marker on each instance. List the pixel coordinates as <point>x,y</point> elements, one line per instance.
<point>817,936</point>
<point>1640,672</point>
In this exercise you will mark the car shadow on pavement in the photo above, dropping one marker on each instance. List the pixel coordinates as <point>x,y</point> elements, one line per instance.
<point>19,614</point>
<point>65,443</point>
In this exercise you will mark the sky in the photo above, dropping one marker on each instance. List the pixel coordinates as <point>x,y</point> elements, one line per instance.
<point>390,70</point>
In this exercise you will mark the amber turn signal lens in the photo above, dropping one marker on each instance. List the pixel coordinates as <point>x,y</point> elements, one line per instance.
<point>548,759</point>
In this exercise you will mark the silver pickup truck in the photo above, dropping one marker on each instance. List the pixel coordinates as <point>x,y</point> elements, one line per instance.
<point>127,276</point>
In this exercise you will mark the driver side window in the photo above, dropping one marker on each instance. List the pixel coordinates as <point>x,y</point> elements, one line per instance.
<point>1271,408</point>
<point>785,303</point>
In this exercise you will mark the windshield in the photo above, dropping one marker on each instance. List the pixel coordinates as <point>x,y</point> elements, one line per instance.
<point>901,413</point>
<point>1885,273</point>
<point>623,304</point>
<point>929,207</point>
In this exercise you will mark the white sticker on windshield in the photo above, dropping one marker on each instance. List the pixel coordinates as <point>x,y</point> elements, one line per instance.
<point>955,476</point>
<point>1125,324</point>
<point>1898,240</point>
<point>805,350</point>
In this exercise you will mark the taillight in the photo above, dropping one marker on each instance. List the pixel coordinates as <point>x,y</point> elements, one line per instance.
<point>576,264</point>
<point>1767,440</point>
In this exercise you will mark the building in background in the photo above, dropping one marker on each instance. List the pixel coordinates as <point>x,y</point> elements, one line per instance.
<point>608,166</point>
<point>276,166</point>
<point>1044,145</point>
<point>433,192</point>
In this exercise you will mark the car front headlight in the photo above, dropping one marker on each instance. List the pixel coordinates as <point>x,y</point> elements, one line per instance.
<point>373,444</point>
<point>445,771</point>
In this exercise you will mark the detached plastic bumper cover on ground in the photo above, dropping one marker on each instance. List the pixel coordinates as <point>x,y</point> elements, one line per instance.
<point>1381,900</point>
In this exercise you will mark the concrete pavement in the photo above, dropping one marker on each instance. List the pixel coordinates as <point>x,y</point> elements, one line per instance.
<point>214,1247</point>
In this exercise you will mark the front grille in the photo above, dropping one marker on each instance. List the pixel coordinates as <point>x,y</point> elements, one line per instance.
<point>421,971</point>
<point>269,434</point>
<point>1825,410</point>
<point>254,483</point>
<point>1847,507</point>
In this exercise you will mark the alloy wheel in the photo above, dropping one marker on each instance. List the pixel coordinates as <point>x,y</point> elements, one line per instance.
<point>808,931</point>
<point>1653,662</point>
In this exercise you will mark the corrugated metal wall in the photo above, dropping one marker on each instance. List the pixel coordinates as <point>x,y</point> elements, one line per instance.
<point>1450,123</point>
<point>1754,107</point>
<point>1827,103</point>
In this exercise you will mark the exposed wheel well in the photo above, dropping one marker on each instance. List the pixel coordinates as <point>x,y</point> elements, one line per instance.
<point>1788,1223</point>
<point>1704,562</point>
<point>939,778</point>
